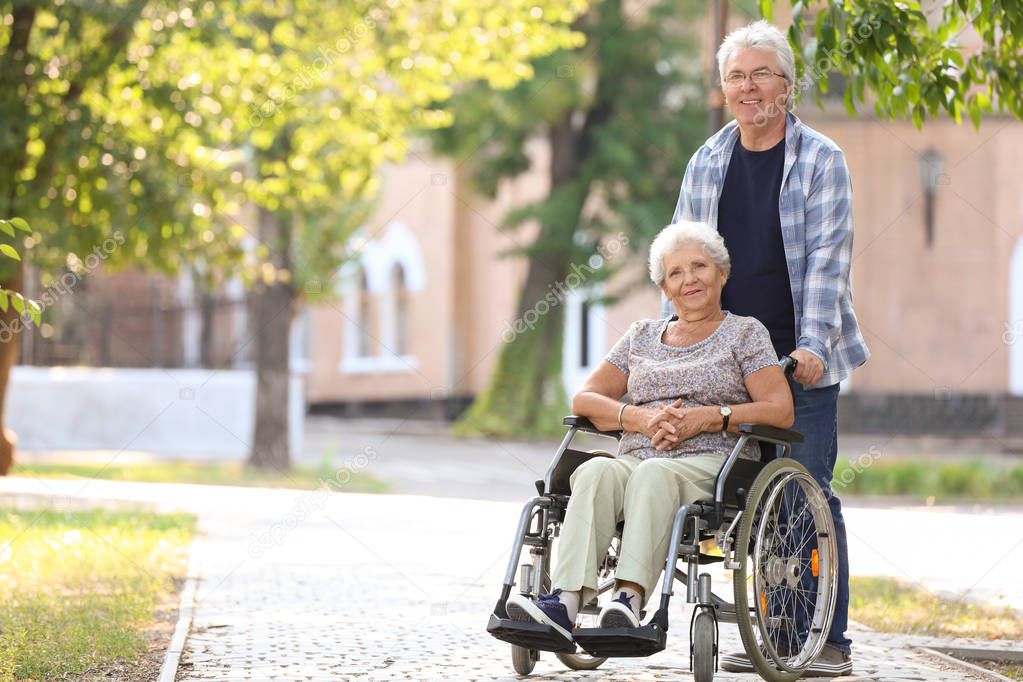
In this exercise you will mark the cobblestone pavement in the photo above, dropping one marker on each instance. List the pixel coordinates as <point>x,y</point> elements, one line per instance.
<point>926,545</point>
<point>399,588</point>
<point>309,586</point>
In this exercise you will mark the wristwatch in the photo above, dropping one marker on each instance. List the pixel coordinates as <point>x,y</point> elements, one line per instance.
<point>726,412</point>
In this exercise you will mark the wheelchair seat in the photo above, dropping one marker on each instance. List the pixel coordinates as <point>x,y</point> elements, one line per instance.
<point>561,475</point>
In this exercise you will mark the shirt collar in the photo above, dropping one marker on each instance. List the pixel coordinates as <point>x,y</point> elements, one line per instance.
<point>723,141</point>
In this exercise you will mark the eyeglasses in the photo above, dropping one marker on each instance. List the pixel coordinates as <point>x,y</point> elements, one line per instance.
<point>759,76</point>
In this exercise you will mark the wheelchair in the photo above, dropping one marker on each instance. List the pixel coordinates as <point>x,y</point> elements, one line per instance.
<point>773,529</point>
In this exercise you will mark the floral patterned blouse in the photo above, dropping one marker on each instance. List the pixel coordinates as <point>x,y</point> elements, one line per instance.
<point>710,372</point>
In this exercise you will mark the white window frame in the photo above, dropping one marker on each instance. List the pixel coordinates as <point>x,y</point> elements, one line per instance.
<point>397,245</point>
<point>572,373</point>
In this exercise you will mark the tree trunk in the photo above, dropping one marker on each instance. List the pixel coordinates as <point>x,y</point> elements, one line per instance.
<point>272,304</point>
<point>13,81</point>
<point>10,333</point>
<point>525,395</point>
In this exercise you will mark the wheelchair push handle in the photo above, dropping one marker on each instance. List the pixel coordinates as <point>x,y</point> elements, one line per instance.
<point>788,365</point>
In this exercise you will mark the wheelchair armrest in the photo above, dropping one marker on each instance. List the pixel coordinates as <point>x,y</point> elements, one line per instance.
<point>771,432</point>
<point>584,424</point>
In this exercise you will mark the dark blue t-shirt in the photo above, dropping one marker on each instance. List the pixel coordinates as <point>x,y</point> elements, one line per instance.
<point>748,219</point>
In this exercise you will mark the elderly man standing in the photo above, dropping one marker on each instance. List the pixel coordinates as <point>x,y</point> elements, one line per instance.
<point>779,193</point>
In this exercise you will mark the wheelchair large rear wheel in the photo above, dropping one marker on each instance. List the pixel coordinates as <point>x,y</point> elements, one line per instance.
<point>787,577</point>
<point>582,660</point>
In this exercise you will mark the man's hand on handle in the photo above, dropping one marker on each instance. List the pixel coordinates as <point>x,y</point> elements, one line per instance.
<point>810,368</point>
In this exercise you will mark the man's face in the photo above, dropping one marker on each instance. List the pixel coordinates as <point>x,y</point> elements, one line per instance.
<point>759,99</point>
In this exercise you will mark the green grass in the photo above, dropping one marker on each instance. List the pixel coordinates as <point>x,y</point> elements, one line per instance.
<point>77,589</point>
<point>1014,671</point>
<point>228,473</point>
<point>890,605</point>
<point>933,481</point>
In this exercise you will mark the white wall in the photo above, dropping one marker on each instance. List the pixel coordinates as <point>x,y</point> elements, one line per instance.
<point>180,412</point>
<point>1013,334</point>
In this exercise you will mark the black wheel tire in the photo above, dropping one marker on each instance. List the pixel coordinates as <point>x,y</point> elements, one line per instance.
<point>523,659</point>
<point>581,661</point>
<point>703,647</point>
<point>761,489</point>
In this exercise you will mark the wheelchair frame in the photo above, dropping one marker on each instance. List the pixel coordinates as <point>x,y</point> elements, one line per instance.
<point>692,524</point>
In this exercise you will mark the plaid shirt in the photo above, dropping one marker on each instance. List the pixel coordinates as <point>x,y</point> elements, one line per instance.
<point>815,207</point>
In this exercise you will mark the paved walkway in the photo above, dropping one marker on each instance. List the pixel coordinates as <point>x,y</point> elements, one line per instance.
<point>310,586</point>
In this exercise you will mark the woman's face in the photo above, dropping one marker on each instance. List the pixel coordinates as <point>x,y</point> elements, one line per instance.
<point>692,281</point>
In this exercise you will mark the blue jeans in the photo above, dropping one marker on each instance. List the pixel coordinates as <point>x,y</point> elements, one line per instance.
<point>817,420</point>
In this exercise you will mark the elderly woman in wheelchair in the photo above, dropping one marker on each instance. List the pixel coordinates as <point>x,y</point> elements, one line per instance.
<point>703,386</point>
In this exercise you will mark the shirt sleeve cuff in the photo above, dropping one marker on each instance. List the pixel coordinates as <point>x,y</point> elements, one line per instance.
<point>815,347</point>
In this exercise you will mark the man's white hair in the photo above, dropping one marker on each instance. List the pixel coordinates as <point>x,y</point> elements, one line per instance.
<point>760,35</point>
<point>674,237</point>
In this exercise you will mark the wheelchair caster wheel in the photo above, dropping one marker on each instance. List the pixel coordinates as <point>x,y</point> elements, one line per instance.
<point>703,646</point>
<point>523,659</point>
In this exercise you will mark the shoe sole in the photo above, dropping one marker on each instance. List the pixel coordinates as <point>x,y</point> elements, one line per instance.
<point>825,670</point>
<point>735,665</point>
<point>616,618</point>
<point>528,612</point>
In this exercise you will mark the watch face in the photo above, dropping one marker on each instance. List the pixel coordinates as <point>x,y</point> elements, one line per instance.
<point>726,410</point>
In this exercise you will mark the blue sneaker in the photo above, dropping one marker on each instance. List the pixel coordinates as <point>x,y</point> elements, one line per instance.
<point>546,610</point>
<point>619,613</point>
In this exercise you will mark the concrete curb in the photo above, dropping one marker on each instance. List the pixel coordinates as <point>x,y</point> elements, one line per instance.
<point>975,669</point>
<point>186,611</point>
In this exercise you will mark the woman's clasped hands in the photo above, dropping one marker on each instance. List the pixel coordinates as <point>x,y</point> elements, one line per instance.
<point>671,424</point>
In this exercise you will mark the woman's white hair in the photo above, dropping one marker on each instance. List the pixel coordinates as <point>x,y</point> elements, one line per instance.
<point>760,35</point>
<point>674,237</point>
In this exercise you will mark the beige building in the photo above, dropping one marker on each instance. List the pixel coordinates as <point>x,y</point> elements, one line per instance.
<point>422,315</point>
<point>938,289</point>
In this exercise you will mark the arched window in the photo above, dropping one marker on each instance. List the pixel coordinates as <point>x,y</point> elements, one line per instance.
<point>378,290</point>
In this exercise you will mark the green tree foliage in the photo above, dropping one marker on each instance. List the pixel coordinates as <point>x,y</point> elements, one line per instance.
<point>223,134</point>
<point>619,114</point>
<point>961,56</point>
<point>9,299</point>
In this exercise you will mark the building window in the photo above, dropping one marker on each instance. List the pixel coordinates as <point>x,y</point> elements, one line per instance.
<point>365,319</point>
<point>401,307</point>
<point>585,334</point>
<point>377,291</point>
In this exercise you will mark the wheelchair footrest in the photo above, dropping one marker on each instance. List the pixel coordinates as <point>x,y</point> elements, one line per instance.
<point>622,642</point>
<point>529,635</point>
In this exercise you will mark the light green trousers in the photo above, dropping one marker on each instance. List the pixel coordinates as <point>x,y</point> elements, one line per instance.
<point>647,494</point>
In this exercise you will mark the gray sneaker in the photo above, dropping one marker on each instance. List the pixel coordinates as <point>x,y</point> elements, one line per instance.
<point>831,662</point>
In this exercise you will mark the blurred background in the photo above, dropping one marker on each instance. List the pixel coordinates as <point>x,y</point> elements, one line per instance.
<point>376,245</point>
<point>253,225</point>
